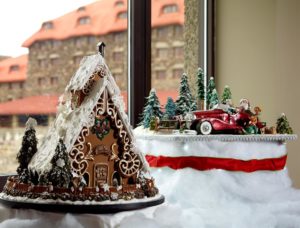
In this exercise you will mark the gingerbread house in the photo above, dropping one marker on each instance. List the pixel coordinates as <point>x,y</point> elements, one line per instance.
<point>94,127</point>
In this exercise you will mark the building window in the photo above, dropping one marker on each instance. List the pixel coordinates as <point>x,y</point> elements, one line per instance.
<point>49,43</point>
<point>177,73</point>
<point>54,61</point>
<point>119,37</point>
<point>56,43</point>
<point>10,86</point>
<point>14,68</point>
<point>178,30</point>
<point>80,41</point>
<point>162,53</point>
<point>42,63</point>
<point>84,20</point>
<point>122,15</point>
<point>170,8</point>
<point>92,40</point>
<point>21,85</point>
<point>77,59</point>
<point>41,81</point>
<point>118,56</point>
<point>161,74</point>
<point>178,52</point>
<point>54,80</point>
<point>81,9</point>
<point>47,25</point>
<point>162,32</point>
<point>6,121</point>
<point>119,3</point>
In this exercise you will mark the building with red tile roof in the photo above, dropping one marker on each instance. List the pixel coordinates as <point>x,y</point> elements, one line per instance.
<point>13,69</point>
<point>104,17</point>
<point>36,105</point>
<point>13,74</point>
<point>56,49</point>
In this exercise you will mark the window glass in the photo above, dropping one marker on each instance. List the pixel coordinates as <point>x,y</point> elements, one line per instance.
<point>170,8</point>
<point>47,25</point>
<point>167,47</point>
<point>84,20</point>
<point>54,55</point>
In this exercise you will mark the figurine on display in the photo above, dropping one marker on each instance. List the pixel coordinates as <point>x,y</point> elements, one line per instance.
<point>28,149</point>
<point>185,102</point>
<point>151,109</point>
<point>210,87</point>
<point>226,96</point>
<point>283,126</point>
<point>201,88</point>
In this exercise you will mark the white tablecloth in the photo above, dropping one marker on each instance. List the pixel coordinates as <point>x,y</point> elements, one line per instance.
<point>214,198</point>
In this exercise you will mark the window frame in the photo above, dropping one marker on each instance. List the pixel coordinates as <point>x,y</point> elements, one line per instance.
<point>139,50</point>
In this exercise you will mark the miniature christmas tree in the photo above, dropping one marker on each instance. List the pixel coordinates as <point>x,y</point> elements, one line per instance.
<point>283,126</point>
<point>185,102</point>
<point>214,99</point>
<point>28,149</point>
<point>151,109</point>
<point>210,87</point>
<point>170,108</point>
<point>60,174</point>
<point>226,95</point>
<point>152,123</point>
<point>201,87</point>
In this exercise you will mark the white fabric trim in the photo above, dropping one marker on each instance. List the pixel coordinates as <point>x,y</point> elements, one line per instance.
<point>225,138</point>
<point>213,148</point>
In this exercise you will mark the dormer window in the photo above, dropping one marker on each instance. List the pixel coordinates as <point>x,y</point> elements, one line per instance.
<point>14,68</point>
<point>170,8</point>
<point>119,3</point>
<point>47,25</point>
<point>84,20</point>
<point>81,9</point>
<point>122,15</point>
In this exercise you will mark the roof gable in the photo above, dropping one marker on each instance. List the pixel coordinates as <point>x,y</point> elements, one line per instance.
<point>71,120</point>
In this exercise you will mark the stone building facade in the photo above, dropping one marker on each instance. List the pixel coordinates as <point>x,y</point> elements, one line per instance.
<point>12,78</point>
<point>55,52</point>
<point>53,61</point>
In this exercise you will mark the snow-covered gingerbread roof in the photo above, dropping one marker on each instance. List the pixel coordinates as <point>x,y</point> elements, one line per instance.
<point>71,120</point>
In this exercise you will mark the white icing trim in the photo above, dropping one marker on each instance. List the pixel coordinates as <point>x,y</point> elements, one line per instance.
<point>86,202</point>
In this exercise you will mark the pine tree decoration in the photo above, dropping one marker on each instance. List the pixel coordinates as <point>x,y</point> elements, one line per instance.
<point>152,108</point>
<point>28,149</point>
<point>214,99</point>
<point>200,82</point>
<point>283,126</point>
<point>210,87</point>
<point>226,95</point>
<point>170,109</point>
<point>60,175</point>
<point>185,102</point>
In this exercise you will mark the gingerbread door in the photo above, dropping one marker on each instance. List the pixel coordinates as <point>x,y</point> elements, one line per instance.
<point>100,174</point>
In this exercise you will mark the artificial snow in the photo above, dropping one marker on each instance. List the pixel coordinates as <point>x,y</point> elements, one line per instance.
<point>214,198</point>
<point>31,123</point>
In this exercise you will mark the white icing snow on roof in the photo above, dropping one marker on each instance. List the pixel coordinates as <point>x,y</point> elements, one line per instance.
<point>69,122</point>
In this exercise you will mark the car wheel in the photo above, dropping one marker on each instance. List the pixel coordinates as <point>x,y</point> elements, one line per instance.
<point>204,128</point>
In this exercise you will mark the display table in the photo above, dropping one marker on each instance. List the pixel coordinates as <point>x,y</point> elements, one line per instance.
<point>196,198</point>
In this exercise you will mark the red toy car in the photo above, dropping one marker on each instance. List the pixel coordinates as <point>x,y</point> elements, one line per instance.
<point>217,120</point>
